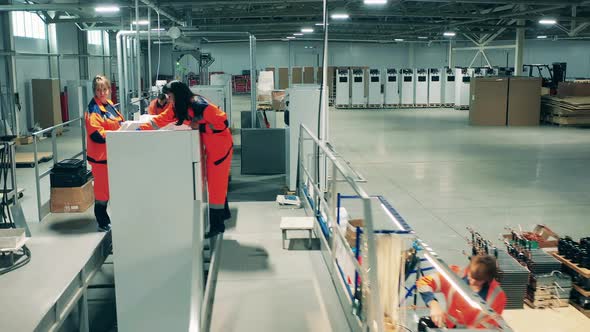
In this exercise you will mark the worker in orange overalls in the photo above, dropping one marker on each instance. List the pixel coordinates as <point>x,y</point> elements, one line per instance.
<point>159,105</point>
<point>102,116</point>
<point>479,275</point>
<point>199,113</point>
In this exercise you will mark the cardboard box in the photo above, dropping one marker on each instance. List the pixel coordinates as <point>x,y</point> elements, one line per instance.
<point>46,102</point>
<point>524,102</point>
<point>350,235</point>
<point>278,100</point>
<point>283,78</point>
<point>573,89</point>
<point>67,200</point>
<point>296,75</point>
<point>24,140</point>
<point>488,100</point>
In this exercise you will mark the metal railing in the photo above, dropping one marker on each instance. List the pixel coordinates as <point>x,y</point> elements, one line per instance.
<point>38,174</point>
<point>326,206</point>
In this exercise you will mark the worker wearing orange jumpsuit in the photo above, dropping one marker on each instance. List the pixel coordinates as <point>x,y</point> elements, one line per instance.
<point>199,113</point>
<point>159,105</point>
<point>101,117</point>
<point>479,275</point>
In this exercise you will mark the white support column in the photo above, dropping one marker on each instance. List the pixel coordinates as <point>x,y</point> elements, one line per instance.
<point>519,54</point>
<point>450,53</point>
<point>411,56</point>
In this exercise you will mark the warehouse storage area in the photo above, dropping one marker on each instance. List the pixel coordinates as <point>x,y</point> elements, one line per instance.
<point>347,165</point>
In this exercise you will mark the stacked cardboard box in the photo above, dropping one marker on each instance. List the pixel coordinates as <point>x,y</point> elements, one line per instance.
<point>501,101</point>
<point>566,111</point>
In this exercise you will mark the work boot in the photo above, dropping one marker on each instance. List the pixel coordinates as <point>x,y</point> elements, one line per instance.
<point>102,217</point>
<point>216,224</point>
<point>226,211</point>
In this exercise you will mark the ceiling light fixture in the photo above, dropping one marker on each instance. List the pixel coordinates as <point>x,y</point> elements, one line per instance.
<point>158,29</point>
<point>107,9</point>
<point>298,34</point>
<point>321,24</point>
<point>290,37</point>
<point>449,34</point>
<point>307,30</point>
<point>339,16</point>
<point>541,37</point>
<point>375,2</point>
<point>398,39</point>
<point>422,37</point>
<point>141,22</point>
<point>548,21</point>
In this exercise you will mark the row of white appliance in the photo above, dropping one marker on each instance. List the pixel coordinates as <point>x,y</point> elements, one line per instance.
<point>406,87</point>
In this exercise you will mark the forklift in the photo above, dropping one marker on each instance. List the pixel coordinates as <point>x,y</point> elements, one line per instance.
<point>555,73</point>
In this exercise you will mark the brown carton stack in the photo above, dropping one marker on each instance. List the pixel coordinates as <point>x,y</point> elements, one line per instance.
<point>75,199</point>
<point>524,102</point>
<point>488,100</point>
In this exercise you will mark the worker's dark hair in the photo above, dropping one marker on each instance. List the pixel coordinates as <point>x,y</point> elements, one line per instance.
<point>483,268</point>
<point>183,97</point>
<point>162,96</point>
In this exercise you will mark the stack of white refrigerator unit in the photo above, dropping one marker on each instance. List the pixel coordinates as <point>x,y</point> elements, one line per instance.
<point>462,85</point>
<point>421,87</point>
<point>434,87</point>
<point>226,80</point>
<point>449,87</point>
<point>407,87</point>
<point>392,88</point>
<point>375,89</point>
<point>342,88</point>
<point>358,98</point>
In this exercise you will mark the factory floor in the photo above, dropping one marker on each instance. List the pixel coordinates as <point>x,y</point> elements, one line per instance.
<point>440,173</point>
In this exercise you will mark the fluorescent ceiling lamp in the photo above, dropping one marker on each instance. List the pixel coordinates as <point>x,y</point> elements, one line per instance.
<point>290,37</point>
<point>449,34</point>
<point>158,29</point>
<point>321,24</point>
<point>339,16</point>
<point>398,39</point>
<point>422,37</point>
<point>375,2</point>
<point>547,21</point>
<point>141,22</point>
<point>307,30</point>
<point>107,9</point>
<point>541,37</point>
<point>298,34</point>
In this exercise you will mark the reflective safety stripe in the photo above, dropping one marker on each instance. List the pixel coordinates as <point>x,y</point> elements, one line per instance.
<point>436,279</point>
<point>455,321</point>
<point>493,295</point>
<point>425,288</point>
<point>217,206</point>
<point>218,162</point>
<point>154,125</point>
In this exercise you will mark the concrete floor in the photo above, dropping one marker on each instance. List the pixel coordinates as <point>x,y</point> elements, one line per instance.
<point>441,175</point>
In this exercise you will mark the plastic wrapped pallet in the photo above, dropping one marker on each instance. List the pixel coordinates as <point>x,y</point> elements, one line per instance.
<point>265,86</point>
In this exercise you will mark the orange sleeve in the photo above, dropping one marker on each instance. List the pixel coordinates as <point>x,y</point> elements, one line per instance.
<point>94,123</point>
<point>160,120</point>
<point>430,283</point>
<point>215,116</point>
<point>152,107</point>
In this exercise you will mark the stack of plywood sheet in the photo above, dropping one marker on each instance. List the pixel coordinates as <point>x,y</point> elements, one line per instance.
<point>566,111</point>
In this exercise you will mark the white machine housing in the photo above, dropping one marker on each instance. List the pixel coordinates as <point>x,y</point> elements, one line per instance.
<point>375,88</point>
<point>391,88</point>
<point>434,86</point>
<point>342,87</point>
<point>421,87</point>
<point>215,93</point>
<point>449,86</point>
<point>79,95</point>
<point>159,219</point>
<point>304,102</point>
<point>358,88</point>
<point>226,80</point>
<point>462,86</point>
<point>407,84</point>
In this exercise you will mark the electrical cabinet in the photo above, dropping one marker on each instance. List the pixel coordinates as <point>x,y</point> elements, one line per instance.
<point>391,87</point>
<point>421,87</point>
<point>407,87</point>
<point>357,97</point>
<point>434,87</point>
<point>375,88</point>
<point>449,86</point>
<point>342,87</point>
<point>462,85</point>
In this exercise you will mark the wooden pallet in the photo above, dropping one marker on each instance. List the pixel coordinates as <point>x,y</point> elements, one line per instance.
<point>568,120</point>
<point>582,291</point>
<point>448,105</point>
<point>543,304</point>
<point>391,105</point>
<point>407,105</point>
<point>358,106</point>
<point>580,270</point>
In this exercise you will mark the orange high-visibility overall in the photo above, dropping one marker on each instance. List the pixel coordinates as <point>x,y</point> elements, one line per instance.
<point>100,119</point>
<point>459,312</point>
<point>218,146</point>
<point>155,109</point>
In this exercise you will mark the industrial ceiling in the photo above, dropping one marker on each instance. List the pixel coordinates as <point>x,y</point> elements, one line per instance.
<point>408,20</point>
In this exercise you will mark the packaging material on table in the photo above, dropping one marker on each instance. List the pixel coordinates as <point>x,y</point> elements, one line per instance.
<point>75,199</point>
<point>69,173</point>
<point>278,100</point>
<point>265,86</point>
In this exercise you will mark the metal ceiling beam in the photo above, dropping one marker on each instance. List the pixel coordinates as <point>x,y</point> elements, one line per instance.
<point>162,12</point>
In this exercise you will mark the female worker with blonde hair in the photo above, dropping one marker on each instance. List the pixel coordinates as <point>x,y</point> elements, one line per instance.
<point>102,116</point>
<point>199,113</point>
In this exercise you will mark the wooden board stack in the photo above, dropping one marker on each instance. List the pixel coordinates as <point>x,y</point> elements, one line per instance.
<point>566,111</point>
